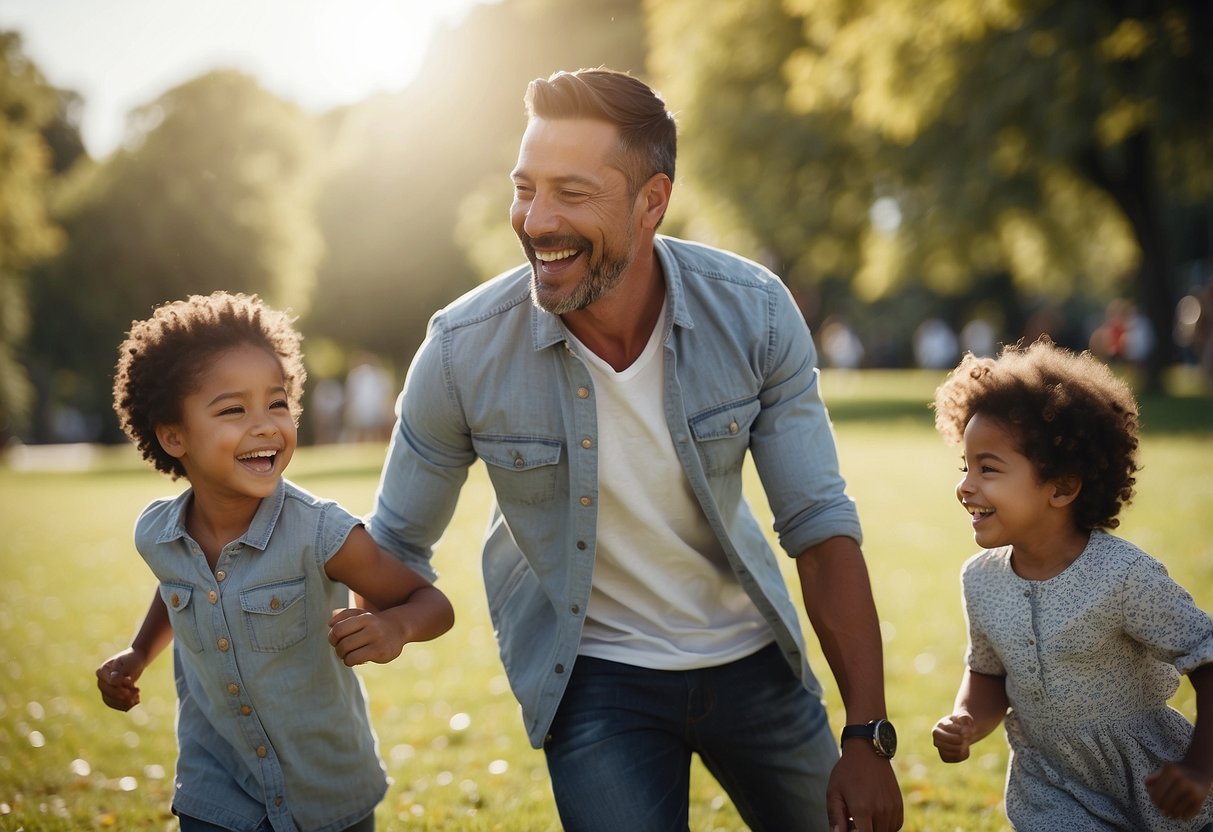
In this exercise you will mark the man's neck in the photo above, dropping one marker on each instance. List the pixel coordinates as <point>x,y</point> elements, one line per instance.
<point>617,328</point>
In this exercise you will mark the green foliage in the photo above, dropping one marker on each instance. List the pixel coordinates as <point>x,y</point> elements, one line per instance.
<point>1038,138</point>
<point>215,189</point>
<point>27,105</point>
<point>448,726</point>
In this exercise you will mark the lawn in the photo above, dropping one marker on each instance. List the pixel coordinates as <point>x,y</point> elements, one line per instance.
<point>448,726</point>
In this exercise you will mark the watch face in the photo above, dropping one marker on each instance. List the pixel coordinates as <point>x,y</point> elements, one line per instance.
<point>886,737</point>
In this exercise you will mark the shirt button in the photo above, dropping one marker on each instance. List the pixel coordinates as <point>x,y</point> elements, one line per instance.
<point>586,501</point>
<point>574,609</point>
<point>278,800</point>
<point>222,644</point>
<point>220,575</point>
<point>245,710</point>
<point>261,751</point>
<point>583,392</point>
<point>175,600</point>
<point>275,603</point>
<point>581,545</point>
<point>233,688</point>
<point>519,462</point>
<point>560,668</point>
<point>733,428</point>
<point>587,443</point>
<point>213,597</point>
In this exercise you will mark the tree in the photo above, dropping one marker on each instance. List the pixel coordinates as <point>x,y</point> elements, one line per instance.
<point>27,235</point>
<point>214,190</point>
<point>1041,138</point>
<point>419,179</point>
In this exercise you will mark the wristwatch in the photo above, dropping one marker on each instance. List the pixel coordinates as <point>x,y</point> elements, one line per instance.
<point>879,732</point>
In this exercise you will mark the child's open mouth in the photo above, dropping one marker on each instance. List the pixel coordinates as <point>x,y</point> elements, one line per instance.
<point>261,462</point>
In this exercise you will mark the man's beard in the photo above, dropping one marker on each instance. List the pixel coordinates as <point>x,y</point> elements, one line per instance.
<point>600,279</point>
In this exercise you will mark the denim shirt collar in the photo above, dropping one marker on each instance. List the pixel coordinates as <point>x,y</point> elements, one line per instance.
<point>548,330</point>
<point>258,533</point>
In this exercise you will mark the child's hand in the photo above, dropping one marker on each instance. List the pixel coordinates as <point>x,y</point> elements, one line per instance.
<point>1177,790</point>
<point>116,679</point>
<point>952,737</point>
<point>359,636</point>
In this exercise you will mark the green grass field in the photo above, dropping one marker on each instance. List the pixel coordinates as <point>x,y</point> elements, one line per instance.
<point>448,726</point>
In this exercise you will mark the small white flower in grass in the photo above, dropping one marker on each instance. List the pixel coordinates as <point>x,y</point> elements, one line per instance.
<point>499,767</point>
<point>444,778</point>
<point>153,772</point>
<point>35,710</point>
<point>36,739</point>
<point>402,753</point>
<point>924,663</point>
<point>80,768</point>
<point>128,784</point>
<point>460,722</point>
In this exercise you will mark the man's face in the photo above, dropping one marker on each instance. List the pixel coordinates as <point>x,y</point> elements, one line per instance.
<point>572,212</point>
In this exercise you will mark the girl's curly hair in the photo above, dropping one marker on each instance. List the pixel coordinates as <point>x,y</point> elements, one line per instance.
<point>1071,414</point>
<point>162,358</point>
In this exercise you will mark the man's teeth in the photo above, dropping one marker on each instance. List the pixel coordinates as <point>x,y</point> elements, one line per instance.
<point>550,256</point>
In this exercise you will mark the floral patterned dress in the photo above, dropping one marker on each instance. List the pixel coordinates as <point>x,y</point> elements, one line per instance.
<point>1091,658</point>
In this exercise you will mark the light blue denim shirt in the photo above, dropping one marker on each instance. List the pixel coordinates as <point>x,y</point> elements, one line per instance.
<point>270,722</point>
<point>497,379</point>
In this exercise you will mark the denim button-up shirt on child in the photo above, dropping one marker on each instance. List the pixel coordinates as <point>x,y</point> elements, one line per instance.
<point>269,721</point>
<point>498,379</point>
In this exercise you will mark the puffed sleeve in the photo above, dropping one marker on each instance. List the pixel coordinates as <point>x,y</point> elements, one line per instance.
<point>1162,615</point>
<point>980,655</point>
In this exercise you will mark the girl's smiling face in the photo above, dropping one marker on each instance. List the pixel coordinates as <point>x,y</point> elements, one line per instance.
<point>236,433</point>
<point>1002,489</point>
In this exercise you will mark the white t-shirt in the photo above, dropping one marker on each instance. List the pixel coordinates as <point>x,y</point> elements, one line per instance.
<point>663,594</point>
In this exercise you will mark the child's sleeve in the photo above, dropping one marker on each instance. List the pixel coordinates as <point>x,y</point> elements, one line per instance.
<point>1162,615</point>
<point>980,655</point>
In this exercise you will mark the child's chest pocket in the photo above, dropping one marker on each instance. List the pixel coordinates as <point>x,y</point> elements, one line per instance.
<point>182,615</point>
<point>275,614</point>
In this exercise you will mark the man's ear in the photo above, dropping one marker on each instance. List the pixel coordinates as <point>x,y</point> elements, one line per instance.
<point>1065,490</point>
<point>655,199</point>
<point>170,438</point>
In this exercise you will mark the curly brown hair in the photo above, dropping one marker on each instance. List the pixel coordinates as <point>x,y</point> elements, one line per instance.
<point>163,357</point>
<point>1071,415</point>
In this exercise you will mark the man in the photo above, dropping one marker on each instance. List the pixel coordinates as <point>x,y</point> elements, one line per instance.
<point>613,387</point>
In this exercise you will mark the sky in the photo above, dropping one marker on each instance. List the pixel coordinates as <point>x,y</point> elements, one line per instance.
<point>121,54</point>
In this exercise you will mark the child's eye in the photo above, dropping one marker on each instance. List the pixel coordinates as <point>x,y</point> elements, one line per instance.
<point>227,411</point>
<point>281,403</point>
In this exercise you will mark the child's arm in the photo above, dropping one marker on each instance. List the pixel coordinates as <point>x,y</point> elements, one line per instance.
<point>117,675</point>
<point>1180,789</point>
<point>406,607</point>
<point>981,704</point>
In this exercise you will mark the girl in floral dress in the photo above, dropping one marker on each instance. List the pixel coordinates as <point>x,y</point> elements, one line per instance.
<point>1076,637</point>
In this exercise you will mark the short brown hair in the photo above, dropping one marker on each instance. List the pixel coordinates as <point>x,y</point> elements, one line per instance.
<point>1071,415</point>
<point>648,135</point>
<point>162,357</point>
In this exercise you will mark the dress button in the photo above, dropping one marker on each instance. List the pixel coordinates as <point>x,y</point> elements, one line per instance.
<point>222,644</point>
<point>213,597</point>
<point>233,688</point>
<point>586,501</point>
<point>261,751</point>
<point>275,604</point>
<point>587,443</point>
<point>220,575</point>
<point>583,392</point>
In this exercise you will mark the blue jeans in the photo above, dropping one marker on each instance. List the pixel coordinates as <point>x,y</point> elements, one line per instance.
<point>189,824</point>
<point>619,750</point>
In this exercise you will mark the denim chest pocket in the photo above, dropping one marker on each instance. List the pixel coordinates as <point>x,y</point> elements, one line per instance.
<point>181,614</point>
<point>275,614</point>
<point>722,435</point>
<point>523,468</point>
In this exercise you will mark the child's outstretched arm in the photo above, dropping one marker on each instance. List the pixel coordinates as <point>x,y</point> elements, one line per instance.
<point>981,704</point>
<point>1180,789</point>
<point>117,675</point>
<point>406,607</point>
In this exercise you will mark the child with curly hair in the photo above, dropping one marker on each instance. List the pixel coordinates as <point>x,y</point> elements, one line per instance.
<point>1076,637</point>
<point>254,578</point>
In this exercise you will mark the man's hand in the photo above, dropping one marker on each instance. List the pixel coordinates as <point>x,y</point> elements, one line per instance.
<point>863,792</point>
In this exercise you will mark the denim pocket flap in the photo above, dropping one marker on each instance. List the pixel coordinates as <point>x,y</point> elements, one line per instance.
<point>726,421</point>
<point>517,453</point>
<point>176,596</point>
<point>272,599</point>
